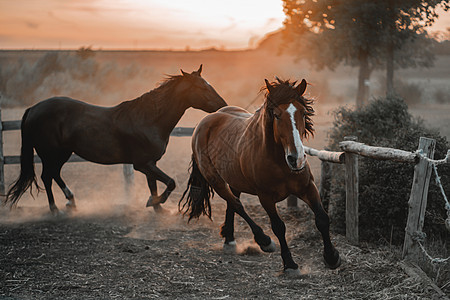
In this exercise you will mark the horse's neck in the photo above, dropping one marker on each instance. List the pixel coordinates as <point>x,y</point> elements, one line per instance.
<point>160,109</point>
<point>168,109</point>
<point>264,127</point>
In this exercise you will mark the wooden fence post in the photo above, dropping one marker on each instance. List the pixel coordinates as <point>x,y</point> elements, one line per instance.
<point>418,199</point>
<point>292,202</point>
<point>2,160</point>
<point>324,187</point>
<point>351,192</point>
<point>128,175</point>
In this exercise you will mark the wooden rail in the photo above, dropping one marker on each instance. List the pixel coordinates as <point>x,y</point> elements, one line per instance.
<point>381,153</point>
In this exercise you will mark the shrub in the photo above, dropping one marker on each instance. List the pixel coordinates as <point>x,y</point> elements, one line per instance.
<point>442,96</point>
<point>384,186</point>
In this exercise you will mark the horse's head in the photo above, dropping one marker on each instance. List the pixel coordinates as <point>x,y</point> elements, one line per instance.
<point>290,113</point>
<point>199,93</point>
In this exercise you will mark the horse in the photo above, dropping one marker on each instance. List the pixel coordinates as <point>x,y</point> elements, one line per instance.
<point>261,154</point>
<point>133,132</point>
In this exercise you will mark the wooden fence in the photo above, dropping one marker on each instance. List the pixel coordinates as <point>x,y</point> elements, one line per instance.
<point>15,159</point>
<point>419,191</point>
<point>351,149</point>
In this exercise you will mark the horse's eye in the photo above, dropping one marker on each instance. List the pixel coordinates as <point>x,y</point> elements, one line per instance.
<point>276,116</point>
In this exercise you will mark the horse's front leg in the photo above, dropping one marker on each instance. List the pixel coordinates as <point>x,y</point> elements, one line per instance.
<point>154,198</point>
<point>153,173</point>
<point>279,228</point>
<point>312,198</point>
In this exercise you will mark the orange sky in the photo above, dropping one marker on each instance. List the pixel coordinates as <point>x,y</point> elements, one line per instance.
<point>141,24</point>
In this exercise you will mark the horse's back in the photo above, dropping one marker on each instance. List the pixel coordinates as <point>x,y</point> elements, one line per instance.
<point>235,111</point>
<point>229,119</point>
<point>216,144</point>
<point>66,124</point>
<point>57,112</point>
<point>57,108</point>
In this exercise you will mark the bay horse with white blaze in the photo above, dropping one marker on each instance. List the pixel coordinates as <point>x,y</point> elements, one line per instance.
<point>262,154</point>
<point>133,132</point>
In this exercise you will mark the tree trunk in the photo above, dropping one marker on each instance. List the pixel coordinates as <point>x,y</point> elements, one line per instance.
<point>390,71</point>
<point>363,79</point>
<point>390,49</point>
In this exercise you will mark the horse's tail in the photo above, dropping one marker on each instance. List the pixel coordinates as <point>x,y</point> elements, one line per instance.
<point>27,175</point>
<point>199,193</point>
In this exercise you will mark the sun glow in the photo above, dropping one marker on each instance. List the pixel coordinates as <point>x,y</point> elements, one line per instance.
<point>137,24</point>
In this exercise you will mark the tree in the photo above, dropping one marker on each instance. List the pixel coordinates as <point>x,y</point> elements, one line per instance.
<point>361,33</point>
<point>404,23</point>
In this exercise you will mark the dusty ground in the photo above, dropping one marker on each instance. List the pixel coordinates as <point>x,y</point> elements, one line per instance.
<point>143,255</point>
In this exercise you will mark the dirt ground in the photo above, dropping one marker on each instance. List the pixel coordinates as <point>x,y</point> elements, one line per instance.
<point>138,254</point>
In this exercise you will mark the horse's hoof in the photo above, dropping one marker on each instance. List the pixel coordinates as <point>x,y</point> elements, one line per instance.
<point>160,210</point>
<point>269,248</point>
<point>230,247</point>
<point>333,265</point>
<point>71,206</point>
<point>163,198</point>
<point>292,273</point>
<point>58,213</point>
<point>153,200</point>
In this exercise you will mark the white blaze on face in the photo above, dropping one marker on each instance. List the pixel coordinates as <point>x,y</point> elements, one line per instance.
<point>297,140</point>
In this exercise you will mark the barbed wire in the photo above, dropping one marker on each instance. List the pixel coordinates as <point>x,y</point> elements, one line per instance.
<point>447,203</point>
<point>435,162</point>
<point>432,259</point>
<point>419,236</point>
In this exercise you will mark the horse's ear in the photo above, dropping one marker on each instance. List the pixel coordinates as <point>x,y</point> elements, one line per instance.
<point>199,71</point>
<point>301,87</point>
<point>269,87</point>
<point>183,72</point>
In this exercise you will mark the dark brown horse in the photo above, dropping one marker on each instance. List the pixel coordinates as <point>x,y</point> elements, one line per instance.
<point>262,154</point>
<point>133,132</point>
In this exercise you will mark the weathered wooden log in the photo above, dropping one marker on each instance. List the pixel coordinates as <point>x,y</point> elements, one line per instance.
<point>324,155</point>
<point>292,202</point>
<point>418,200</point>
<point>182,131</point>
<point>15,159</point>
<point>352,195</point>
<point>2,160</point>
<point>324,187</point>
<point>381,153</point>
<point>11,125</point>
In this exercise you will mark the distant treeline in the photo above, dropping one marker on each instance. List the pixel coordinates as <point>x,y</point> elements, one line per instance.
<point>441,48</point>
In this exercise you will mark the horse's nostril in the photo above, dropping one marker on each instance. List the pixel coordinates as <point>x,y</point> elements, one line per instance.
<point>292,160</point>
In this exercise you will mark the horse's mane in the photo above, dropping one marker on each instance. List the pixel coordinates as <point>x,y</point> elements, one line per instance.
<point>154,100</point>
<point>282,92</point>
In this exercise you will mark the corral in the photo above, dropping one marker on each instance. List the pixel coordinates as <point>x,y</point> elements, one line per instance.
<point>113,247</point>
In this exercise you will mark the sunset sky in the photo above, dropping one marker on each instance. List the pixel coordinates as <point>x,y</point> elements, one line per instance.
<point>141,24</point>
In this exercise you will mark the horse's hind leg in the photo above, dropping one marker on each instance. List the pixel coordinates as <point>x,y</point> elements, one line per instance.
<point>51,169</point>
<point>264,241</point>
<point>67,192</point>
<point>227,228</point>
<point>62,159</point>
<point>47,177</point>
